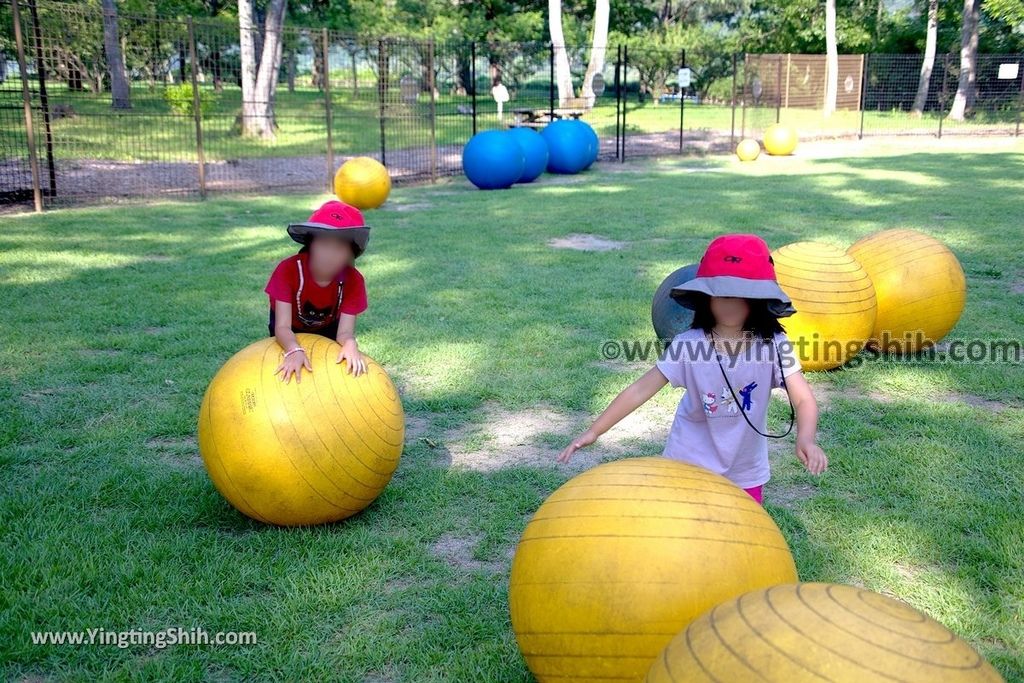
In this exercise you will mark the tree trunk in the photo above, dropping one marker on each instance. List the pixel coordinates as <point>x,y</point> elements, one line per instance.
<point>247,49</point>
<point>120,90</point>
<point>831,59</point>
<point>963,101</point>
<point>598,47</point>
<point>259,86</point>
<point>563,76</point>
<point>921,99</point>
<point>291,70</point>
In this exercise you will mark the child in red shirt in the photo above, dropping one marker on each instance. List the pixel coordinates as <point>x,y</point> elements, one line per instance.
<point>319,290</point>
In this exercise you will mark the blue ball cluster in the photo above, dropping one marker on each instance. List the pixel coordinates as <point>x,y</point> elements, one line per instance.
<point>495,159</point>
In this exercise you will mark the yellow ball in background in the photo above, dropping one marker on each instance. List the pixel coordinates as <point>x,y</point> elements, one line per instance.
<point>301,453</point>
<point>834,301</point>
<point>920,286</point>
<point>362,182</point>
<point>748,150</point>
<point>780,140</point>
<point>813,632</point>
<point>622,557</point>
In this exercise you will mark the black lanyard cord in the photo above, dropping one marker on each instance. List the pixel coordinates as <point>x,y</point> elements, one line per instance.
<point>782,375</point>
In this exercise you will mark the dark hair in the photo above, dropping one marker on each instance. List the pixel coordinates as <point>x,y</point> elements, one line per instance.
<point>760,320</point>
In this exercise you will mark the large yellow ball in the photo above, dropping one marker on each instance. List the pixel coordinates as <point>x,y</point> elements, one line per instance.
<point>748,150</point>
<point>623,556</point>
<point>920,286</point>
<point>780,139</point>
<point>362,182</point>
<point>813,632</point>
<point>834,301</point>
<point>305,452</point>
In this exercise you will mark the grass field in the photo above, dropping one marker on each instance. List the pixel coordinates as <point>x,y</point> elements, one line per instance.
<point>117,318</point>
<point>151,132</point>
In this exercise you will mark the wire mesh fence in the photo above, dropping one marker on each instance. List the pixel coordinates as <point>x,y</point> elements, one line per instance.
<point>177,115</point>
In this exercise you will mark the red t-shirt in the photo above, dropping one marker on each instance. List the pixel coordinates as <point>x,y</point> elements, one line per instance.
<point>315,307</point>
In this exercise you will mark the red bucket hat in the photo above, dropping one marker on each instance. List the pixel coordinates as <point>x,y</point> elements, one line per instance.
<point>739,266</point>
<point>337,219</point>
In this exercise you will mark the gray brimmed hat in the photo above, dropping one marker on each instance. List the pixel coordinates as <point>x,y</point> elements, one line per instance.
<point>337,219</point>
<point>738,266</point>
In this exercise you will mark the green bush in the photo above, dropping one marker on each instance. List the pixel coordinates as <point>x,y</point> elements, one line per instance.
<point>179,99</point>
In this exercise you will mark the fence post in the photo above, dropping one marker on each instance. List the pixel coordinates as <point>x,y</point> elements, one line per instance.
<point>44,99</point>
<point>743,101</point>
<point>618,97</point>
<point>551,83</point>
<point>682,99</point>
<point>625,96</point>
<point>26,100</point>
<point>472,76</point>
<point>325,45</point>
<point>732,123</point>
<point>945,92</point>
<point>1020,105</point>
<point>863,92</point>
<point>382,84</point>
<point>197,112</point>
<point>789,70</point>
<point>778,85</point>
<point>433,112</point>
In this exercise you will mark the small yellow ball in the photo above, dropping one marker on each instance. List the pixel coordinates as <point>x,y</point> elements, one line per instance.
<point>780,140</point>
<point>748,150</point>
<point>362,182</point>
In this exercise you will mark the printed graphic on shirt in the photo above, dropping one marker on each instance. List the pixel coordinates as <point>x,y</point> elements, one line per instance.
<point>746,398</point>
<point>315,316</point>
<point>727,401</point>
<point>709,403</point>
<point>724,405</point>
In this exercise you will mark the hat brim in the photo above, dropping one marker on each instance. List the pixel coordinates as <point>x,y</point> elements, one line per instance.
<point>779,304</point>
<point>359,237</point>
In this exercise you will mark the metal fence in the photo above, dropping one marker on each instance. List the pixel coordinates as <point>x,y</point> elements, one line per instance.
<point>409,103</point>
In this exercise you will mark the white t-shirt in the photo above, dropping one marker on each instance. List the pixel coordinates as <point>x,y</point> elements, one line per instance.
<point>708,429</point>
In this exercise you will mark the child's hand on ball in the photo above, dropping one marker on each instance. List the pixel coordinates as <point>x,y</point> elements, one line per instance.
<point>811,455</point>
<point>350,352</point>
<point>582,441</point>
<point>293,364</point>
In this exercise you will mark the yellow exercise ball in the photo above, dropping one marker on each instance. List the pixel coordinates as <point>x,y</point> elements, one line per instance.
<point>301,453</point>
<point>834,301</point>
<point>780,139</point>
<point>813,632</point>
<point>748,150</point>
<point>623,556</point>
<point>362,182</point>
<point>920,286</point>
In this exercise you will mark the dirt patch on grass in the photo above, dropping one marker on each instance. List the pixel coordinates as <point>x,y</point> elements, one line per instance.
<point>180,453</point>
<point>412,206</point>
<point>585,242</point>
<point>457,551</point>
<point>535,437</point>
<point>827,394</point>
<point>788,496</point>
<point>1017,287</point>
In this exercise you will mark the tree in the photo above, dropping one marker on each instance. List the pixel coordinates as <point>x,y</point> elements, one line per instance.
<point>259,85</point>
<point>831,59</point>
<point>563,77</point>
<point>931,36</point>
<point>966,92</point>
<point>598,48</point>
<point>120,89</point>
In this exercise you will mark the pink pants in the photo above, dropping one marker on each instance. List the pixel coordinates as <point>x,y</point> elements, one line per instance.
<point>755,493</point>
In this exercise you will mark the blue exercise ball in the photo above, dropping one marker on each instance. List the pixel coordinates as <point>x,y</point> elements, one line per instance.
<point>668,316</point>
<point>568,146</point>
<point>535,152</point>
<point>593,142</point>
<point>493,160</point>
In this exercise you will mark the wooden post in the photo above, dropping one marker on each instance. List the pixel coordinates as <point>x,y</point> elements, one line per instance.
<point>433,112</point>
<point>325,45</point>
<point>789,70</point>
<point>382,85</point>
<point>732,124</point>
<point>778,84</point>
<point>197,112</point>
<point>44,99</point>
<point>472,76</point>
<point>26,100</point>
<point>863,92</point>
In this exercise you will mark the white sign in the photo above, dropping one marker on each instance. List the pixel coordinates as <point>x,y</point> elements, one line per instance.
<point>1008,72</point>
<point>500,94</point>
<point>684,77</point>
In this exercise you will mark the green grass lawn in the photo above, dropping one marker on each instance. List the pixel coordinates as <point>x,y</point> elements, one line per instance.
<point>118,316</point>
<point>151,132</point>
